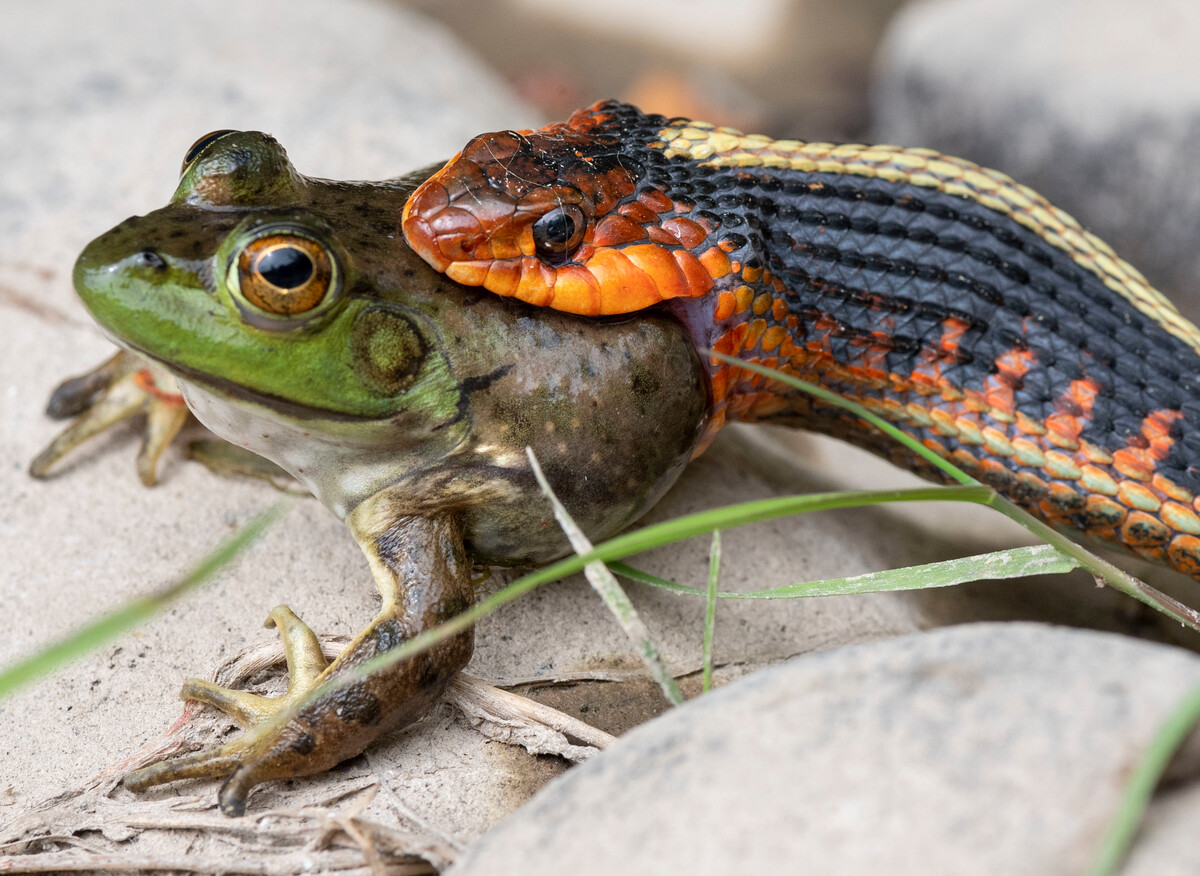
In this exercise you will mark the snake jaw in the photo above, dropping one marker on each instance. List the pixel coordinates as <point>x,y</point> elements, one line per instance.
<point>474,219</point>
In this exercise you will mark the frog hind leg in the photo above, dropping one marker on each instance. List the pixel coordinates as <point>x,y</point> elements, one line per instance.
<point>424,577</point>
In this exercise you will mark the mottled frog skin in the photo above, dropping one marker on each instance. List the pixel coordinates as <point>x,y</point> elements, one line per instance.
<point>298,324</point>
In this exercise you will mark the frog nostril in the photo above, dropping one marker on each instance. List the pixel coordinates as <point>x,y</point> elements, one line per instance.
<point>148,258</point>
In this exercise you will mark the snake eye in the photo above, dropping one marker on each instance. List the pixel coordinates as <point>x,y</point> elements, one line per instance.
<point>284,274</point>
<point>199,146</point>
<point>558,232</point>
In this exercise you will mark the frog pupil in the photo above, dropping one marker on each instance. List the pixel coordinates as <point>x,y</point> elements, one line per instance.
<point>285,267</point>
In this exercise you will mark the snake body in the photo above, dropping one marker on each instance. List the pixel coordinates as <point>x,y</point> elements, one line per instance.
<point>945,297</point>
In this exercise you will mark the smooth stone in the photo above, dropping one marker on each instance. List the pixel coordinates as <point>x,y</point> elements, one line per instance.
<point>984,748</point>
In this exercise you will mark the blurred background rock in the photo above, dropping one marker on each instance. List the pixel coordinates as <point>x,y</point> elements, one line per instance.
<point>774,66</point>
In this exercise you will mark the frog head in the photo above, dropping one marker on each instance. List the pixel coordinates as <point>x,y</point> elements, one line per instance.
<point>278,298</point>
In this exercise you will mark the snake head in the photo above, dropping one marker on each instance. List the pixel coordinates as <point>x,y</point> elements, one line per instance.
<point>559,217</point>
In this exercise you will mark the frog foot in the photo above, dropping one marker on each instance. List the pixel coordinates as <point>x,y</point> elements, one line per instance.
<point>258,715</point>
<point>121,388</point>
<point>423,576</point>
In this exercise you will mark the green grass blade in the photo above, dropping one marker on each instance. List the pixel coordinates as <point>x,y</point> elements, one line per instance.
<point>607,587</point>
<point>635,542</point>
<point>728,517</point>
<point>1102,569</point>
<point>138,610</point>
<point>704,522</point>
<point>710,609</point>
<point>1140,787</point>
<point>1020,562</point>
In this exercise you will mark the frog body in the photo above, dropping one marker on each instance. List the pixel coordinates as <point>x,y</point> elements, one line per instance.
<point>299,325</point>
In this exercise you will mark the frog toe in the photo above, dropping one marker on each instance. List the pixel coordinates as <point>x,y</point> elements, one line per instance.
<point>75,395</point>
<point>305,663</point>
<point>164,420</point>
<point>278,747</point>
<point>333,711</point>
<point>228,460</point>
<point>301,649</point>
<point>211,763</point>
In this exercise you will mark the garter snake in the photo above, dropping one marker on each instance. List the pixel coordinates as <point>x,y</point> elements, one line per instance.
<point>943,296</point>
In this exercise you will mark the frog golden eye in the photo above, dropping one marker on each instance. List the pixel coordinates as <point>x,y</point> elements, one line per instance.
<point>558,232</point>
<point>200,145</point>
<point>284,274</point>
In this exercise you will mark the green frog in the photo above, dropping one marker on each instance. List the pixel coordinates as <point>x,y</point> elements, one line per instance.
<point>293,319</point>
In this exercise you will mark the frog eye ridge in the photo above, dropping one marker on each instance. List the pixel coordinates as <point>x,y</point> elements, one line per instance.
<point>200,145</point>
<point>559,232</point>
<point>284,274</point>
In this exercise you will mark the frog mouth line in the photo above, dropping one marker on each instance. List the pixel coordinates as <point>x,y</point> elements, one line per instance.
<point>226,387</point>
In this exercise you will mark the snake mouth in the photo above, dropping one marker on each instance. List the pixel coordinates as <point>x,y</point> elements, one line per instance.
<point>421,238</point>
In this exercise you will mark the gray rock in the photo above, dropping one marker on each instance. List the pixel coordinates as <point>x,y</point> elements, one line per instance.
<point>1094,103</point>
<point>1167,840</point>
<point>979,749</point>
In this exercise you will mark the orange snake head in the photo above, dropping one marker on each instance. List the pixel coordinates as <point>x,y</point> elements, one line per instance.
<point>560,217</point>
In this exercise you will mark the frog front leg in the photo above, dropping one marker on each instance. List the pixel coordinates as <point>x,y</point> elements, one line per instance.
<point>124,386</point>
<point>423,575</point>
